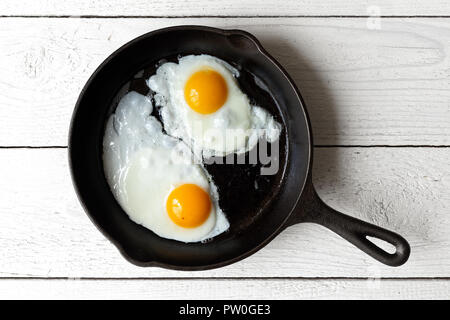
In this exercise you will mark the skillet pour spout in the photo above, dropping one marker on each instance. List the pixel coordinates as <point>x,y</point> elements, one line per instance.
<point>290,199</point>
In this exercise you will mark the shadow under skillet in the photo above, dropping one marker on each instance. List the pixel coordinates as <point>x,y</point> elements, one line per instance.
<point>244,193</point>
<point>309,75</point>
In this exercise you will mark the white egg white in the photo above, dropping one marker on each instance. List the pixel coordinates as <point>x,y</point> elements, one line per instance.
<point>234,128</point>
<point>143,165</point>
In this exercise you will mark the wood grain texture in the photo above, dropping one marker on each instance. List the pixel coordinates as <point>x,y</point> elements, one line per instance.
<point>222,7</point>
<point>272,289</point>
<point>45,233</point>
<point>365,81</point>
<point>361,86</point>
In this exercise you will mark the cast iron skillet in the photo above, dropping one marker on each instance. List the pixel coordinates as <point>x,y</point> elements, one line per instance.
<point>289,197</point>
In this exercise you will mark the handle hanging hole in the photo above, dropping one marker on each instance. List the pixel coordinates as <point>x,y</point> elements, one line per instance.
<point>386,246</point>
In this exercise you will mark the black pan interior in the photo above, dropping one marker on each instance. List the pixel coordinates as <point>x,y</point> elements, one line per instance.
<point>244,192</point>
<point>255,213</point>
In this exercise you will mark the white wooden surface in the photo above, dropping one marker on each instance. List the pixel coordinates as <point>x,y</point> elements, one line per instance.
<point>226,8</point>
<point>379,97</point>
<point>362,87</point>
<point>403,189</point>
<point>273,289</point>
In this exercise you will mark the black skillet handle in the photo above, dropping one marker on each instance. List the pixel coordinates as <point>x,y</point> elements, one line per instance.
<point>354,230</point>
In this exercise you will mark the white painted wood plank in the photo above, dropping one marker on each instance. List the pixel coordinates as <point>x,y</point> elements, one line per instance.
<point>45,233</point>
<point>223,7</point>
<point>273,289</point>
<point>362,87</point>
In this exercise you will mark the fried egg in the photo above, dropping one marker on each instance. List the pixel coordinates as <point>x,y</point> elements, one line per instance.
<point>202,103</point>
<point>156,178</point>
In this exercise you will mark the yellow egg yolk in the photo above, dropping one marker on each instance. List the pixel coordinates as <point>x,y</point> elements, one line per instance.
<point>206,91</point>
<point>188,206</point>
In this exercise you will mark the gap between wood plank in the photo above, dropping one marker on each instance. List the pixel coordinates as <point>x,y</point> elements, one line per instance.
<point>223,16</point>
<point>381,146</point>
<point>33,147</point>
<point>315,146</point>
<point>223,278</point>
